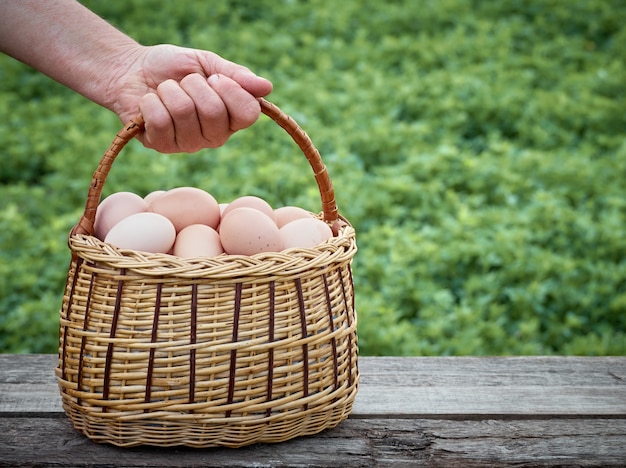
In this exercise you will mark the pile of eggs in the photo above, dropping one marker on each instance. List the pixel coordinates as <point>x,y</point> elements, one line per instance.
<point>189,222</point>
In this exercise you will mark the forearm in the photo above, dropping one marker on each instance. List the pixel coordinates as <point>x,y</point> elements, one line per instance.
<point>184,106</point>
<point>67,42</point>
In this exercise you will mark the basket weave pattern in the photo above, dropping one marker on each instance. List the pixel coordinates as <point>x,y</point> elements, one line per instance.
<point>224,351</point>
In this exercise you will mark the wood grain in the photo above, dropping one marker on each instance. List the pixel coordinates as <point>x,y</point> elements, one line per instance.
<point>412,387</point>
<point>457,411</point>
<point>355,443</point>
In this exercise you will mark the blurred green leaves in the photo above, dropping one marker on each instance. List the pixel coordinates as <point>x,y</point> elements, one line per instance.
<point>479,148</point>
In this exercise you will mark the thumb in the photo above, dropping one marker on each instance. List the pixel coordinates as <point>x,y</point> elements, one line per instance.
<point>254,84</point>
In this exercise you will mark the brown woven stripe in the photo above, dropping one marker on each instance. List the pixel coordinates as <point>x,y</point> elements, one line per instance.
<point>79,263</point>
<point>79,376</point>
<point>192,341</point>
<point>348,319</point>
<point>109,356</point>
<point>331,327</point>
<point>270,358</point>
<point>153,338</point>
<point>233,353</point>
<point>352,304</point>
<point>305,347</point>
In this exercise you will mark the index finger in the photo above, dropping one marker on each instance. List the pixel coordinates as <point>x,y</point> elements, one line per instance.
<point>243,108</point>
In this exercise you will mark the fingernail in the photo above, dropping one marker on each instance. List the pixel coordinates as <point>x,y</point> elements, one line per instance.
<point>213,79</point>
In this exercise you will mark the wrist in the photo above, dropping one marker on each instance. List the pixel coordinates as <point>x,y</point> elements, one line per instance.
<point>111,81</point>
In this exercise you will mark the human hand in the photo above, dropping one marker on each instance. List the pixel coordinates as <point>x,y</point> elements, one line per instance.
<point>190,99</point>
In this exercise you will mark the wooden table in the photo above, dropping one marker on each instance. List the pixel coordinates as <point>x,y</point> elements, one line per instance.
<point>450,411</point>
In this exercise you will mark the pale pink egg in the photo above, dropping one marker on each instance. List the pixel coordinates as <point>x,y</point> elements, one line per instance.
<point>185,206</point>
<point>146,232</point>
<point>197,240</point>
<point>247,231</point>
<point>223,206</point>
<point>115,208</point>
<point>286,214</point>
<point>149,198</point>
<point>305,233</point>
<point>250,201</point>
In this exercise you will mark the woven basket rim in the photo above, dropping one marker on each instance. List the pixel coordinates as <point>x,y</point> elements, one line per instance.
<point>288,262</point>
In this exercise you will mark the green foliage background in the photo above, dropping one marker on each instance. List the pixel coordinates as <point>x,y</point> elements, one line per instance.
<point>478,147</point>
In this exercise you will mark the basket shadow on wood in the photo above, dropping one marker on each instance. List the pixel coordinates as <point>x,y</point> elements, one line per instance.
<point>224,351</point>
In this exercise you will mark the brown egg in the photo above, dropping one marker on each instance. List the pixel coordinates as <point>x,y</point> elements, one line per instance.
<point>246,231</point>
<point>197,240</point>
<point>185,206</point>
<point>286,214</point>
<point>146,232</point>
<point>305,233</point>
<point>115,208</point>
<point>250,201</point>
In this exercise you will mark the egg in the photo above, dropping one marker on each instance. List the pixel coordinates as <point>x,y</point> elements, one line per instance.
<point>146,232</point>
<point>152,195</point>
<point>185,206</point>
<point>115,208</point>
<point>286,214</point>
<point>247,231</point>
<point>305,233</point>
<point>250,201</point>
<point>197,240</point>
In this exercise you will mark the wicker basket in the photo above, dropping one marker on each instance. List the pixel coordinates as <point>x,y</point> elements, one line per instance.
<point>225,351</point>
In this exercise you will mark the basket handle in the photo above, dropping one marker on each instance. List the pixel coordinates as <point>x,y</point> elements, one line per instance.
<point>136,125</point>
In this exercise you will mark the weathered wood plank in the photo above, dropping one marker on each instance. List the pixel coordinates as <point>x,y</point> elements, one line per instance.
<point>493,371</point>
<point>354,443</point>
<point>441,411</point>
<point>411,387</point>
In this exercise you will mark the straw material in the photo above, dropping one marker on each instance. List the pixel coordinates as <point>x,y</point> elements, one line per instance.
<point>223,351</point>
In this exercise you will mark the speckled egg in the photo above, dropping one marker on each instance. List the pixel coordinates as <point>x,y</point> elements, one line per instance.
<point>247,231</point>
